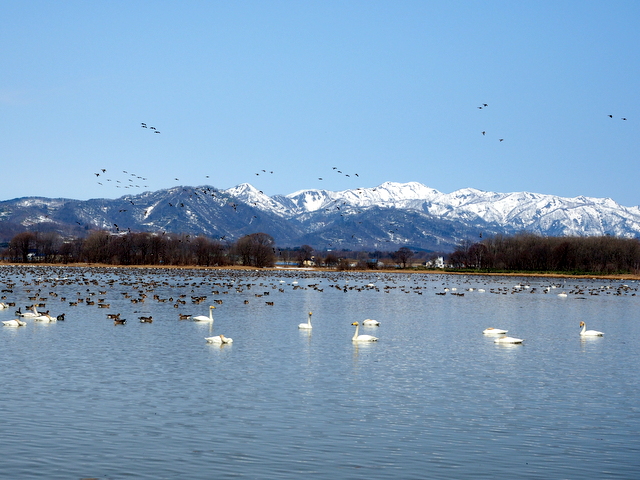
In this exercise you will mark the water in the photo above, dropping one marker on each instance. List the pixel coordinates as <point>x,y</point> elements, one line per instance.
<point>433,398</point>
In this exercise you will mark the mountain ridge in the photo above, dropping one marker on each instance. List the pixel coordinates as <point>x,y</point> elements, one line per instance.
<point>386,216</point>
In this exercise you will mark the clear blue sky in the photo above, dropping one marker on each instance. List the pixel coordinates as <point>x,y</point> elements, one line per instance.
<point>385,89</point>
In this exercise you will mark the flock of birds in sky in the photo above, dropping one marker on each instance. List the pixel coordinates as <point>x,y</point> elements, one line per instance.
<point>134,181</point>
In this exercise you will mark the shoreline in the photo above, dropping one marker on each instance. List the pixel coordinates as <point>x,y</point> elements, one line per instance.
<point>316,269</point>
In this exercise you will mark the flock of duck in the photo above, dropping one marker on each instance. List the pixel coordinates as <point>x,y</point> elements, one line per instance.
<point>143,285</point>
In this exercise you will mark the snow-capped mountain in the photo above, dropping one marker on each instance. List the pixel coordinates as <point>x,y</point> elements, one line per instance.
<point>537,213</point>
<point>383,217</point>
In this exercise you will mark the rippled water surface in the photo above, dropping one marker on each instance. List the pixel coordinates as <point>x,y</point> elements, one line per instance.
<point>433,398</point>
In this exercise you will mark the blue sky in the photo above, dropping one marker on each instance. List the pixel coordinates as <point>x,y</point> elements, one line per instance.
<point>387,90</point>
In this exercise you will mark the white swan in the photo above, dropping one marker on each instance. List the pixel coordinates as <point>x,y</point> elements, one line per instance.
<point>508,340</point>
<point>494,331</point>
<point>306,326</point>
<point>589,333</point>
<point>44,317</point>
<point>3,306</point>
<point>370,323</point>
<point>14,323</point>
<point>32,314</point>
<point>219,339</point>
<point>204,318</point>
<point>562,295</point>
<point>362,338</point>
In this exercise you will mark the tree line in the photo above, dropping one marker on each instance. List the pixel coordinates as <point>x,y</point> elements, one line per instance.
<point>129,248</point>
<point>533,253</point>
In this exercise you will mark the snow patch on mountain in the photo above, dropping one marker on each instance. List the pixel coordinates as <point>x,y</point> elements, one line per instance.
<point>537,213</point>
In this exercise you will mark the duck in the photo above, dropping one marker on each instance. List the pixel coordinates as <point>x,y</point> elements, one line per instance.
<point>494,331</point>
<point>118,321</point>
<point>362,338</point>
<point>14,323</point>
<point>204,318</point>
<point>370,323</point>
<point>306,326</point>
<point>589,333</point>
<point>508,340</point>
<point>219,339</point>
<point>148,319</point>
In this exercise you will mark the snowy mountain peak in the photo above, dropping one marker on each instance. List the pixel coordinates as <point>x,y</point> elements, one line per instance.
<point>389,215</point>
<point>539,213</point>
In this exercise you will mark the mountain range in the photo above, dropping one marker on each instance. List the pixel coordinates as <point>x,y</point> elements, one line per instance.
<point>385,217</point>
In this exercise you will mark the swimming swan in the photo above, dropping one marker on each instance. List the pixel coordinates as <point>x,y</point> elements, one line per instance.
<point>14,323</point>
<point>494,331</point>
<point>362,338</point>
<point>219,339</point>
<point>307,325</point>
<point>45,317</point>
<point>204,318</point>
<point>508,340</point>
<point>589,333</point>
<point>32,314</point>
<point>370,323</point>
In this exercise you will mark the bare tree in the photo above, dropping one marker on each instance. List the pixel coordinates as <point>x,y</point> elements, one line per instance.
<point>402,256</point>
<point>21,245</point>
<point>256,249</point>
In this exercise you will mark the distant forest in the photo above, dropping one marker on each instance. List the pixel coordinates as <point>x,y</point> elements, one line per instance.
<point>256,249</point>
<point>518,253</point>
<point>533,253</point>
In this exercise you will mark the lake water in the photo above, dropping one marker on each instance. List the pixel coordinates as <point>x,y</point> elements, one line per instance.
<point>433,398</point>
